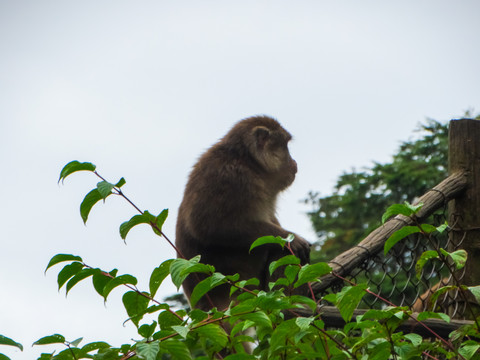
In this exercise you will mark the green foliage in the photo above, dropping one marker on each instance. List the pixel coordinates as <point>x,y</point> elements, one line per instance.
<point>10,342</point>
<point>347,299</point>
<point>405,209</point>
<point>7,341</point>
<point>75,166</point>
<point>284,326</point>
<point>268,240</point>
<point>156,222</point>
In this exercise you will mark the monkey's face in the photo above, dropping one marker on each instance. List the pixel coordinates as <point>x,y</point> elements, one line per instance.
<point>270,149</point>
<point>286,173</point>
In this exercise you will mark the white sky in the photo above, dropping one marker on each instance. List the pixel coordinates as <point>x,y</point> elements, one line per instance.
<point>142,88</point>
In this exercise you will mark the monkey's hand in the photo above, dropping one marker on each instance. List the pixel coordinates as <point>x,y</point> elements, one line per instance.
<point>301,249</point>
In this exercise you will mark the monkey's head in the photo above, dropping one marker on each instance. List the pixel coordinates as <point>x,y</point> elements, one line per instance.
<point>264,140</point>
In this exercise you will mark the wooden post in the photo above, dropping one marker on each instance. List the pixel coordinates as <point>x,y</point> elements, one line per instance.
<point>464,210</point>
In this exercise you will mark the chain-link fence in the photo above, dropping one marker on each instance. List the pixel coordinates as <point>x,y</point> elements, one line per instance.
<point>393,276</point>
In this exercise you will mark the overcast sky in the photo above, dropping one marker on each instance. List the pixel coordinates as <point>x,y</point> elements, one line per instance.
<point>142,88</point>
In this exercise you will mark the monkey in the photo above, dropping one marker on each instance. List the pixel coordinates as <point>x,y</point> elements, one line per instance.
<point>230,201</point>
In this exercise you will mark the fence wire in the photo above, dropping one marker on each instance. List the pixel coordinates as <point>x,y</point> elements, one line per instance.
<point>393,276</point>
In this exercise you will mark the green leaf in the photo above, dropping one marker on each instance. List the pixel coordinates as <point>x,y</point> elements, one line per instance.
<point>178,269</point>
<point>94,346</point>
<point>381,351</point>
<point>147,330</point>
<point>304,322</point>
<point>312,272</point>
<point>178,349</point>
<point>205,286</point>
<point>291,272</point>
<point>289,238</point>
<point>259,318</point>
<point>145,218</point>
<point>427,228</point>
<point>279,283</point>
<point>62,257</point>
<point>441,291</point>
<point>71,353</point>
<point>348,300</point>
<point>199,268</point>
<point>268,240</point>
<point>67,272</point>
<point>181,330</point>
<point>286,260</point>
<point>100,280</point>
<point>399,235</point>
<point>415,339</point>
<point>424,258</point>
<point>279,337</point>
<point>475,290</point>
<point>120,183</point>
<point>331,298</point>
<point>442,228</point>
<point>136,305</point>
<point>234,278</point>
<point>414,208</point>
<point>7,341</point>
<point>242,283</point>
<point>105,189</point>
<point>75,343</point>
<point>214,333</point>
<point>81,275</point>
<point>160,220</point>
<point>89,200</point>
<point>197,315</point>
<point>158,275</point>
<point>51,339</point>
<point>75,166</point>
<point>155,308</point>
<point>119,280</point>
<point>166,320</point>
<point>433,315</point>
<point>240,356</point>
<point>148,351</point>
<point>459,257</point>
<point>400,209</point>
<point>468,349</point>
<point>299,299</point>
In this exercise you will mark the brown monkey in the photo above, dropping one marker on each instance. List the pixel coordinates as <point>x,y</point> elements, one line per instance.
<point>230,201</point>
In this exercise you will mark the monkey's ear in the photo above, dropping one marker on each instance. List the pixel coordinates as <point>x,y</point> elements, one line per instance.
<point>261,134</point>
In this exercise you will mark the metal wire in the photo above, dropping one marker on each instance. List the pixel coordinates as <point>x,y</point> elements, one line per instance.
<point>394,277</point>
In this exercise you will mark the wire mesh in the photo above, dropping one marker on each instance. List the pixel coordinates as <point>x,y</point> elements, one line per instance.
<point>393,276</point>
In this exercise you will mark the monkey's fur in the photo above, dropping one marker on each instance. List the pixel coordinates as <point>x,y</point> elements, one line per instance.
<point>230,201</point>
